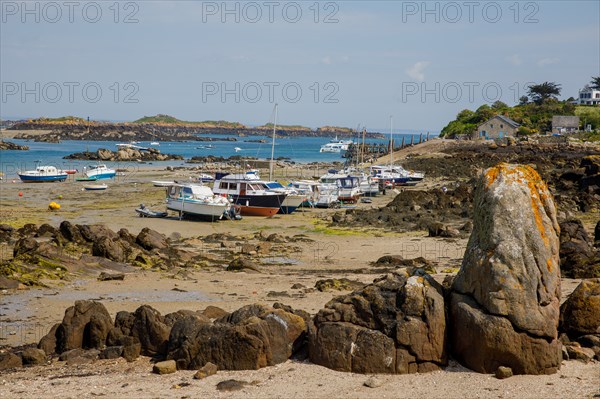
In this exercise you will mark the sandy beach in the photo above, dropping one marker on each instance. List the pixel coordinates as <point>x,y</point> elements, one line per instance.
<point>324,252</point>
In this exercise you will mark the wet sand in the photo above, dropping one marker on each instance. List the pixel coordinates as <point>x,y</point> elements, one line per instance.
<point>25,316</point>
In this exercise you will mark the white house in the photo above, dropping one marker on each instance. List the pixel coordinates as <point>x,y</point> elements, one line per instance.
<point>589,96</point>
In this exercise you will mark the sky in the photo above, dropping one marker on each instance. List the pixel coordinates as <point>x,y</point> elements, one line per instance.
<point>340,63</point>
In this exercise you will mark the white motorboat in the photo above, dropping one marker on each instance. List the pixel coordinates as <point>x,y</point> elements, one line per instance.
<point>336,145</point>
<point>155,143</point>
<point>292,200</point>
<point>99,172</point>
<point>43,174</point>
<point>197,200</point>
<point>162,183</point>
<point>348,189</point>
<point>251,194</point>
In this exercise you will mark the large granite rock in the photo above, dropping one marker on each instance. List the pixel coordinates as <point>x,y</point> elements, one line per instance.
<point>504,305</point>
<point>580,313</point>
<point>578,257</point>
<point>395,325</point>
<point>85,325</point>
<point>252,337</point>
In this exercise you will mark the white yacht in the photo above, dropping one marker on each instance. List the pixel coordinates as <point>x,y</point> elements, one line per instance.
<point>197,200</point>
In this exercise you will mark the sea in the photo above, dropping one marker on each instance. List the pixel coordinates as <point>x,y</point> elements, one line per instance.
<point>297,149</point>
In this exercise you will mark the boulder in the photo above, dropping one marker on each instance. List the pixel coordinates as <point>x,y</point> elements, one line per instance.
<point>9,360</point>
<point>242,264</point>
<point>48,342</point>
<point>579,353</point>
<point>33,357</point>
<point>503,372</point>
<point>342,284</point>
<point>104,276</point>
<point>109,248</point>
<point>207,370</point>
<point>25,245</point>
<point>578,258</point>
<point>85,325</point>
<point>580,313</point>
<point>166,367</point>
<point>597,234</point>
<point>252,337</point>
<point>214,312</point>
<point>93,232</point>
<point>112,352</point>
<point>70,232</point>
<point>395,325</point>
<point>151,331</point>
<point>504,304</point>
<point>150,239</point>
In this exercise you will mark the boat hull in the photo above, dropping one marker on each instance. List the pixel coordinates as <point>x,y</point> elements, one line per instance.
<point>259,205</point>
<point>42,179</point>
<point>101,176</point>
<point>201,209</point>
<point>291,203</point>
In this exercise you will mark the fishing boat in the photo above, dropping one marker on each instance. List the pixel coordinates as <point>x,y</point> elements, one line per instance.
<point>197,200</point>
<point>95,187</point>
<point>43,174</point>
<point>251,194</point>
<point>99,172</point>
<point>237,149</point>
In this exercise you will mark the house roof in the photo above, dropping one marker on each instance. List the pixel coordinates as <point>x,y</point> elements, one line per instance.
<point>509,121</point>
<point>504,119</point>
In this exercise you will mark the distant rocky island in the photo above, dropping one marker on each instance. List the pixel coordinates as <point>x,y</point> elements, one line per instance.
<point>124,155</point>
<point>7,145</point>
<point>160,128</point>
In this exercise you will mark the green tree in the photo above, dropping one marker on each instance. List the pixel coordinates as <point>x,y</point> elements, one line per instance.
<point>523,100</point>
<point>595,83</point>
<point>540,93</point>
<point>499,105</point>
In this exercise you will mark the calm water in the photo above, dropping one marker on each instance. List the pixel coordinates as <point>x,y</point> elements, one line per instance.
<point>298,149</point>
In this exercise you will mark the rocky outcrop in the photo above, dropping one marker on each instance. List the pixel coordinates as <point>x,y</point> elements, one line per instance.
<point>504,305</point>
<point>578,257</point>
<point>85,325</point>
<point>395,325</point>
<point>580,313</point>
<point>252,337</point>
<point>124,155</point>
<point>8,145</point>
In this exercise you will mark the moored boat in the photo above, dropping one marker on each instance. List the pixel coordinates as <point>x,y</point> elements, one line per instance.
<point>252,196</point>
<point>99,172</point>
<point>95,187</point>
<point>197,200</point>
<point>43,174</point>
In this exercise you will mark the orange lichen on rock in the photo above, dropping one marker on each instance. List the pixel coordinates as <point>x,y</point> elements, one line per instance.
<point>524,175</point>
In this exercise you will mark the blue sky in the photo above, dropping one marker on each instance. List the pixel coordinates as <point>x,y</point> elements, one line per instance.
<point>344,63</point>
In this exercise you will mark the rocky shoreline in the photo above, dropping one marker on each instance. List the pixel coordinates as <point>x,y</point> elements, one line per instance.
<point>124,155</point>
<point>126,132</point>
<point>7,145</point>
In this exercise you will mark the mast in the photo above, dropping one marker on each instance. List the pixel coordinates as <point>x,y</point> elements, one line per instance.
<point>391,142</point>
<point>273,145</point>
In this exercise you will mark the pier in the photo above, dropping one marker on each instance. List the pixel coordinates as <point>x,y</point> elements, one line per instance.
<point>365,152</point>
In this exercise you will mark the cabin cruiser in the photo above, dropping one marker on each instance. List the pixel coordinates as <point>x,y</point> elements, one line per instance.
<point>248,192</point>
<point>43,174</point>
<point>397,175</point>
<point>336,145</point>
<point>99,172</point>
<point>197,200</point>
<point>348,189</point>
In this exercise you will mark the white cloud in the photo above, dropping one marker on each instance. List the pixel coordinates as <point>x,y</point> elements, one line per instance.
<point>547,61</point>
<point>514,60</point>
<point>417,71</point>
<point>327,60</point>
